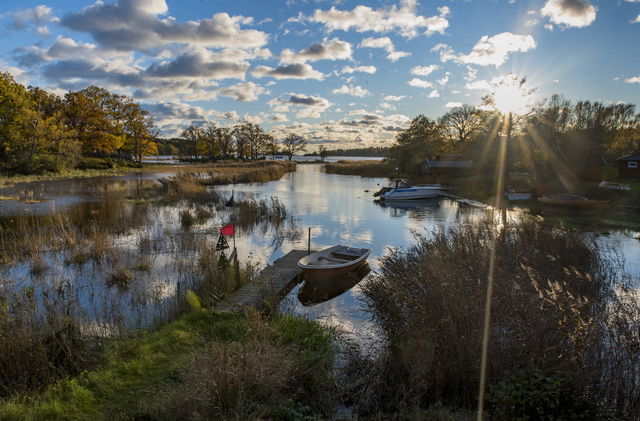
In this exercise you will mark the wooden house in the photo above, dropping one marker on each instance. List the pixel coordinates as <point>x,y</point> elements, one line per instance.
<point>629,166</point>
<point>446,164</point>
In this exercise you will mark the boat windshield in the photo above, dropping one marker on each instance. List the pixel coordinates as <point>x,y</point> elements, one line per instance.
<point>399,184</point>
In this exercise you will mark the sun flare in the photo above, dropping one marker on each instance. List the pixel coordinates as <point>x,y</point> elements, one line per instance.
<point>511,95</point>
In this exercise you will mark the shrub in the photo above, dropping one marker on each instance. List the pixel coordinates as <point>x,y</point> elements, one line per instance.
<point>531,394</point>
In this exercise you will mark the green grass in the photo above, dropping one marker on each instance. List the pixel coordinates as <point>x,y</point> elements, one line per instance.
<point>138,378</point>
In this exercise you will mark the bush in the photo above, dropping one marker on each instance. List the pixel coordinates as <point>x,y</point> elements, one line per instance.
<point>533,395</point>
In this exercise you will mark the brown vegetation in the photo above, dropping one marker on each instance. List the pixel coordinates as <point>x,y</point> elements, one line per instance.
<point>561,307</point>
<point>362,168</point>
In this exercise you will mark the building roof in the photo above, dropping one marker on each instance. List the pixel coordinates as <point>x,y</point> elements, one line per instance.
<point>449,164</point>
<point>632,157</point>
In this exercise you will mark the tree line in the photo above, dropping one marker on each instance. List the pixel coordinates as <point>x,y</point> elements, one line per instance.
<point>243,141</point>
<point>554,140</point>
<point>41,131</point>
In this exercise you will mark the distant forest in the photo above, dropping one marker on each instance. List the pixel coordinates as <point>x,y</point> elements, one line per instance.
<point>372,151</point>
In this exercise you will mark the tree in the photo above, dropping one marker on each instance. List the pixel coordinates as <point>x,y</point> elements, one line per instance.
<point>139,131</point>
<point>461,125</point>
<point>294,143</point>
<point>251,140</point>
<point>192,135</point>
<point>421,140</point>
<point>207,144</point>
<point>91,113</point>
<point>322,151</point>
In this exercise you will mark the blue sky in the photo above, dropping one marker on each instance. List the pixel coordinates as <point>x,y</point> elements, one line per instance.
<point>341,73</point>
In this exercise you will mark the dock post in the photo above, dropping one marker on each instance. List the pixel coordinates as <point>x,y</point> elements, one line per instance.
<point>309,242</point>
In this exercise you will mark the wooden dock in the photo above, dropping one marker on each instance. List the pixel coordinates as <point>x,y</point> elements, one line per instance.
<point>276,280</point>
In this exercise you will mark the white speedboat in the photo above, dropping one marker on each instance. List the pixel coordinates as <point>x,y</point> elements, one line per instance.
<point>401,190</point>
<point>333,261</point>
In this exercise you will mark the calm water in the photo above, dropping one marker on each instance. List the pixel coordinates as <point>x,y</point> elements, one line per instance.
<point>337,208</point>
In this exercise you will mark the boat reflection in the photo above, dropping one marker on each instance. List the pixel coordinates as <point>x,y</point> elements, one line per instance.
<point>314,292</point>
<point>399,208</point>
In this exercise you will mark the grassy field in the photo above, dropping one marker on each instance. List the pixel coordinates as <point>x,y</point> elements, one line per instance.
<point>202,366</point>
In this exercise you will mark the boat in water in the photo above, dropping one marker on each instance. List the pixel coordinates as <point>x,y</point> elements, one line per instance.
<point>314,292</point>
<point>332,262</point>
<point>401,190</point>
<point>569,200</point>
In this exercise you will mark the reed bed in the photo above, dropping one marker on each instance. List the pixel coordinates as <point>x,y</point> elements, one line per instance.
<point>563,340</point>
<point>68,281</point>
<point>361,168</point>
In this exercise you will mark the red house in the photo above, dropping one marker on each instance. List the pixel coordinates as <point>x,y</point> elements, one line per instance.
<point>629,166</point>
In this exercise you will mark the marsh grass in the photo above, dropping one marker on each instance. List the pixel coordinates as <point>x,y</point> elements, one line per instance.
<point>361,168</point>
<point>561,306</point>
<point>108,269</point>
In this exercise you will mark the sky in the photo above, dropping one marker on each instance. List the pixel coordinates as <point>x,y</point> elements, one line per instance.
<point>340,73</point>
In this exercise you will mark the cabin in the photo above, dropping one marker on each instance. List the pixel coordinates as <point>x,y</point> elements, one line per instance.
<point>629,166</point>
<point>452,164</point>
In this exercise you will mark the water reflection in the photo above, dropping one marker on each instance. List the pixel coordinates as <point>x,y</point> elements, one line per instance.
<point>338,209</point>
<point>314,292</point>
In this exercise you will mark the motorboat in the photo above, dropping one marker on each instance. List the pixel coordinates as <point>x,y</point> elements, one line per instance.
<point>332,262</point>
<point>400,189</point>
<point>569,200</point>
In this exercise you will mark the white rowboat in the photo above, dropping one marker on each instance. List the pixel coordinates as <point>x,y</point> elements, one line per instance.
<point>332,262</point>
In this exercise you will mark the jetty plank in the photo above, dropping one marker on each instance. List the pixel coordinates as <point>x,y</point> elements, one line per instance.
<point>276,280</point>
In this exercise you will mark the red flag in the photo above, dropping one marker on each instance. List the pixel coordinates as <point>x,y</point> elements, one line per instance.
<point>227,230</point>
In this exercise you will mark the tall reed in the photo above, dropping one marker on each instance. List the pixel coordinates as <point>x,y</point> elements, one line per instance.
<point>561,305</point>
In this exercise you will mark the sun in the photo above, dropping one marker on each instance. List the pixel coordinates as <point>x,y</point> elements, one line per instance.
<point>511,95</point>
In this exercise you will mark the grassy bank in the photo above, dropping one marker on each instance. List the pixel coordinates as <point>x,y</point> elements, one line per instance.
<point>246,172</point>
<point>361,168</point>
<point>202,366</point>
<point>223,172</point>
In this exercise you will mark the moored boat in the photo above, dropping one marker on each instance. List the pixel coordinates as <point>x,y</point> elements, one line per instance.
<point>569,200</point>
<point>333,261</point>
<point>401,190</point>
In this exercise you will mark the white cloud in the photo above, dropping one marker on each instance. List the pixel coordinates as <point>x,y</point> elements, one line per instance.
<point>492,50</point>
<point>419,83</point>
<point>201,62</point>
<point>363,69</point>
<point>576,13</point>
<point>34,18</point>
<point>308,106</point>
<point>424,70</point>
<point>333,49</point>
<point>289,71</point>
<point>387,106</point>
<point>358,91</point>
<point>434,94</point>
<point>443,81</point>
<point>243,92</point>
<point>386,44</point>
<point>133,25</point>
<point>635,79</point>
<point>479,85</point>
<point>452,104</point>
<point>394,97</point>
<point>401,18</point>
<point>637,20</point>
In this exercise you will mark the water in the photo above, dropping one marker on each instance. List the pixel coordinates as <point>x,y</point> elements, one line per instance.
<point>339,210</point>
